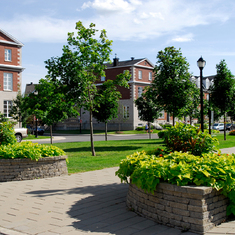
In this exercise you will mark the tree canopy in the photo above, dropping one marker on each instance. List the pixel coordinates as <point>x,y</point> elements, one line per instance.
<point>172,81</point>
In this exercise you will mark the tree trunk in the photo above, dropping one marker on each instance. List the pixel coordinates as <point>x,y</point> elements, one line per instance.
<point>106,130</point>
<point>149,124</point>
<point>92,139</point>
<point>51,133</point>
<point>225,126</point>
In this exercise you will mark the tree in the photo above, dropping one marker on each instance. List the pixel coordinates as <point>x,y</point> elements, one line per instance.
<point>49,104</point>
<point>191,108</point>
<point>107,99</point>
<point>222,90</point>
<point>81,66</point>
<point>172,81</point>
<point>148,109</point>
<point>18,112</point>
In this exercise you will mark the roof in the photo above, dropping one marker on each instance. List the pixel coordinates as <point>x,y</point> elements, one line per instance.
<point>130,62</point>
<point>29,88</point>
<point>13,41</point>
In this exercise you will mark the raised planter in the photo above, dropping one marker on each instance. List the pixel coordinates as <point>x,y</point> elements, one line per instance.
<point>189,208</point>
<point>27,169</point>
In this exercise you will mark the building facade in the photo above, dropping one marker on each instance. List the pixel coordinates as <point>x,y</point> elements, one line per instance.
<point>10,71</point>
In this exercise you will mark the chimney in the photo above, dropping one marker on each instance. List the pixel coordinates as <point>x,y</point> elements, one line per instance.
<point>115,60</point>
<point>132,58</point>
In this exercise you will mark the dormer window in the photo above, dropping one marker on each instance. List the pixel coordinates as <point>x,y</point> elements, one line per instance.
<point>7,54</point>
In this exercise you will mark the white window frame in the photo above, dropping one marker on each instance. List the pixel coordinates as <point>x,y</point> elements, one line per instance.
<point>150,76</point>
<point>140,74</point>
<point>8,53</point>
<point>8,81</point>
<point>126,112</point>
<point>140,91</point>
<point>7,106</point>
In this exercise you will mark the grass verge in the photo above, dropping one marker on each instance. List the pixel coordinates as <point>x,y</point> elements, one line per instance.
<point>108,153</point>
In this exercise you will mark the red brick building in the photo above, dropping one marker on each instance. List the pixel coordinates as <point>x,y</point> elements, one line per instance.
<point>10,70</point>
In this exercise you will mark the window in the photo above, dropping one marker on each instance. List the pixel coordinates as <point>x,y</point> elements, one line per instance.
<point>140,91</point>
<point>102,78</point>
<point>125,111</point>
<point>7,108</point>
<point>8,80</point>
<point>140,74</point>
<point>162,114</point>
<point>150,76</point>
<point>7,54</point>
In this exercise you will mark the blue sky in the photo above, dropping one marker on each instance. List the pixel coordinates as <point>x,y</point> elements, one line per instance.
<point>138,28</point>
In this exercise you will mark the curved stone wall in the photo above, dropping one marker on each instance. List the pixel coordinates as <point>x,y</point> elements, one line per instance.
<point>189,208</point>
<point>26,169</point>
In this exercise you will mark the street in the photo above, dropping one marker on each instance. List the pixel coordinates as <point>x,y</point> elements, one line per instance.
<point>86,137</point>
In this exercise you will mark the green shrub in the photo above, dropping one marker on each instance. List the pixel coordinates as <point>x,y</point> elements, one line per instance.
<point>166,125</point>
<point>187,138</point>
<point>214,170</point>
<point>232,132</point>
<point>139,128</point>
<point>7,133</point>
<point>30,150</point>
<point>161,134</point>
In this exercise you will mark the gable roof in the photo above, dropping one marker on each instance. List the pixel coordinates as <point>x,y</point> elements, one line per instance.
<point>131,62</point>
<point>12,41</point>
<point>29,88</point>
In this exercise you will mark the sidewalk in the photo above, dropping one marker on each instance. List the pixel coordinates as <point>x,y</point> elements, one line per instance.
<point>91,202</point>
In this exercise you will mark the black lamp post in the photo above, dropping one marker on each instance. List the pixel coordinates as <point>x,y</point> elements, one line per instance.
<point>36,129</point>
<point>201,64</point>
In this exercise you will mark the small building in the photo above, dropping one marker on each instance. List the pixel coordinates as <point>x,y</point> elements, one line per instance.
<point>10,71</point>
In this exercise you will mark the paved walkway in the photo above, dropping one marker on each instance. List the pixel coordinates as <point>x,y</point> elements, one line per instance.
<point>90,202</point>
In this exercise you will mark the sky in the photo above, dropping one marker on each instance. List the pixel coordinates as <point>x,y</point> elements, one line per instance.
<point>138,28</point>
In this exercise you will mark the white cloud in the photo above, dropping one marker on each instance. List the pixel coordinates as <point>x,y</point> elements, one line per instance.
<point>40,29</point>
<point>124,19</point>
<point>183,38</point>
<point>110,6</point>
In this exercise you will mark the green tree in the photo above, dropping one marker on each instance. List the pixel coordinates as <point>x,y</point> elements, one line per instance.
<point>191,109</point>
<point>18,111</point>
<point>222,90</point>
<point>107,99</point>
<point>49,104</point>
<point>81,66</point>
<point>172,81</point>
<point>147,107</point>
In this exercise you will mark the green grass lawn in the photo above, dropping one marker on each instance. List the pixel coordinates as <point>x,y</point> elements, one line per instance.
<point>109,153</point>
<point>32,137</point>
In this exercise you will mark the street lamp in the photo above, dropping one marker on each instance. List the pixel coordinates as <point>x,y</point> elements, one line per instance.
<point>201,64</point>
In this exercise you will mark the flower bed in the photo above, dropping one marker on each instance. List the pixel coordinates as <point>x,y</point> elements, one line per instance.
<point>189,208</point>
<point>27,169</point>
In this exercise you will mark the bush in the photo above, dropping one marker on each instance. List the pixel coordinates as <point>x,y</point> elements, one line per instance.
<point>161,134</point>
<point>166,126</point>
<point>7,133</point>
<point>214,170</point>
<point>232,132</point>
<point>187,138</point>
<point>139,128</point>
<point>30,150</point>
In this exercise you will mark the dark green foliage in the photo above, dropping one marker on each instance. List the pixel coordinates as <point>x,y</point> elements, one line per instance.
<point>172,87</point>
<point>187,138</point>
<point>7,133</point>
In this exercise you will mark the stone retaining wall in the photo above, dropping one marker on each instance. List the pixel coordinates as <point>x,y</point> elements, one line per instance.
<point>189,208</point>
<point>26,169</point>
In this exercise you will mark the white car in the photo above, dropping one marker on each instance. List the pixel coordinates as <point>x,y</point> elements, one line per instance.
<point>218,126</point>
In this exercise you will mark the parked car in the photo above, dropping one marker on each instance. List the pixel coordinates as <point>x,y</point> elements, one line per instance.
<point>20,133</point>
<point>33,130</point>
<point>230,126</point>
<point>218,126</point>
